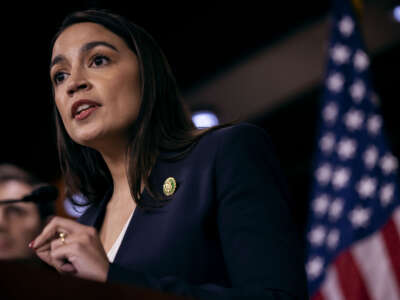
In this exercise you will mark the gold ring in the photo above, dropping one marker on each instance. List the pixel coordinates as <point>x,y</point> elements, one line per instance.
<point>62,236</point>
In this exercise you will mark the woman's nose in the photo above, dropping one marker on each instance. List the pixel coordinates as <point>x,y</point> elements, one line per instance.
<point>76,87</point>
<point>77,82</point>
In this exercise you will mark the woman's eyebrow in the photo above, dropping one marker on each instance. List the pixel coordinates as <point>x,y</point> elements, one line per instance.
<point>94,44</point>
<point>56,60</point>
<point>85,48</point>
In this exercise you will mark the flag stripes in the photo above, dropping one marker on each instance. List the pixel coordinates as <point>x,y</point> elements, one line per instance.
<point>391,236</point>
<point>368,269</point>
<point>331,289</point>
<point>350,278</point>
<point>376,268</point>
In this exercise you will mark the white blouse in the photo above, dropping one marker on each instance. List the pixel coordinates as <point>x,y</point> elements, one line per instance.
<point>114,249</point>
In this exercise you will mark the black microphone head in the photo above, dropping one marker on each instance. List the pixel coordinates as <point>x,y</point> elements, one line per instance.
<point>44,193</point>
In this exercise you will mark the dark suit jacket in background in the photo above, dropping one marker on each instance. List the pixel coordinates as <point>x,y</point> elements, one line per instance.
<point>226,232</point>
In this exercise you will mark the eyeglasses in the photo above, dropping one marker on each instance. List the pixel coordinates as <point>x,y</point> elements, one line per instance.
<point>44,193</point>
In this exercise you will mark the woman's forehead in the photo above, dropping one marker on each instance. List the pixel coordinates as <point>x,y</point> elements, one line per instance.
<point>78,34</point>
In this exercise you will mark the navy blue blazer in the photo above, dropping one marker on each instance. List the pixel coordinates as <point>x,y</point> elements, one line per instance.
<point>226,232</point>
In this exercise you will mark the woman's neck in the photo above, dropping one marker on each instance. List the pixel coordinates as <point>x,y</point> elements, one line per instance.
<point>117,165</point>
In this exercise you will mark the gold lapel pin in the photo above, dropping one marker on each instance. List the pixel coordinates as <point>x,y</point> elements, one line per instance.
<point>169,186</point>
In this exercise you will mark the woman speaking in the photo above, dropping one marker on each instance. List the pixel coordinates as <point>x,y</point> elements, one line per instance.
<point>201,213</point>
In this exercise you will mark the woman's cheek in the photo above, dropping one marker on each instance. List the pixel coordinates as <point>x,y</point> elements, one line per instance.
<point>61,110</point>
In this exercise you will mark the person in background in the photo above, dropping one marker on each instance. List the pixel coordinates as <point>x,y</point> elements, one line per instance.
<point>26,204</point>
<point>196,212</point>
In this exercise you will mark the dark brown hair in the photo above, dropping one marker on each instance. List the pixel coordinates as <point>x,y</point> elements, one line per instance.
<point>163,123</point>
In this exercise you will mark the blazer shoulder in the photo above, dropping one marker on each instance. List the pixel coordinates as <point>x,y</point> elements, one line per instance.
<point>234,135</point>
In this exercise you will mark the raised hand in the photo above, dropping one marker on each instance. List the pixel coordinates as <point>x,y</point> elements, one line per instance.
<point>78,250</point>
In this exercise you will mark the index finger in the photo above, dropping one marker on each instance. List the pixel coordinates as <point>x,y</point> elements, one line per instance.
<point>56,225</point>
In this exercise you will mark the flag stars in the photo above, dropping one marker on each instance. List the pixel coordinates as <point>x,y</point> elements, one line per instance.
<point>361,60</point>
<point>320,205</point>
<point>336,209</point>
<point>340,54</point>
<point>388,164</point>
<point>366,187</point>
<point>355,179</point>
<point>335,82</point>
<point>330,112</point>
<point>332,239</point>
<point>354,119</point>
<point>346,148</point>
<point>346,26</point>
<point>327,143</point>
<point>386,194</point>
<point>314,267</point>
<point>374,124</point>
<point>359,216</point>
<point>317,235</point>
<point>341,177</point>
<point>357,91</point>
<point>324,173</point>
<point>370,157</point>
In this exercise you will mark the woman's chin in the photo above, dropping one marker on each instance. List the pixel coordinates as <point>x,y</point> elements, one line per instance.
<point>100,140</point>
<point>88,140</point>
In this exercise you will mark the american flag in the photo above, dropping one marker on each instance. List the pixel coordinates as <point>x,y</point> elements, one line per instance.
<point>353,229</point>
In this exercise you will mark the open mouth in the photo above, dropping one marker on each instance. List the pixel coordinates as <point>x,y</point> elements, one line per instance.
<point>84,111</point>
<point>83,108</point>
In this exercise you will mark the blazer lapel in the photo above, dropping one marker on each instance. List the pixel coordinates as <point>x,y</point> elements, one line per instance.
<point>94,215</point>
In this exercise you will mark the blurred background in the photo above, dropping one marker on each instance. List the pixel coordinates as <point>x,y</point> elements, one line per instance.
<point>262,64</point>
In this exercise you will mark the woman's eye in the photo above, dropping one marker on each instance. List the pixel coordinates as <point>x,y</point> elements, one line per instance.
<point>99,60</point>
<point>59,77</point>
